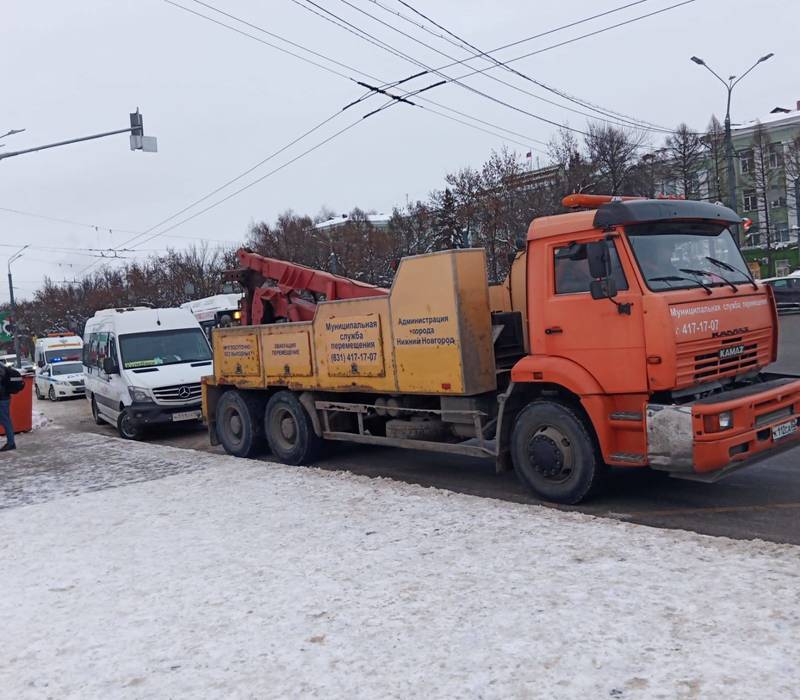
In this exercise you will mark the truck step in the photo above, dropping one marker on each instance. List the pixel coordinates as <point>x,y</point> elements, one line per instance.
<point>633,416</point>
<point>627,457</point>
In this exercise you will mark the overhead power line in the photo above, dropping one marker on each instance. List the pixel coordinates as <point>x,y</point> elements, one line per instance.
<point>455,40</point>
<point>358,31</point>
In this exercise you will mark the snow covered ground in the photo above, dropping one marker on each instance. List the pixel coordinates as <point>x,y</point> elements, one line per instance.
<point>145,571</point>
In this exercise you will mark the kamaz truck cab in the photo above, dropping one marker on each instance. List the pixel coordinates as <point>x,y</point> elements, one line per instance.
<point>642,312</point>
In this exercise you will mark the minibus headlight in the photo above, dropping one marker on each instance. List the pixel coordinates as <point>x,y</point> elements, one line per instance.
<point>140,394</point>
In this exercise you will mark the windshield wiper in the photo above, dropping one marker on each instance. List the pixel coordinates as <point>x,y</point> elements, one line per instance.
<point>731,268</point>
<point>675,278</point>
<point>708,273</point>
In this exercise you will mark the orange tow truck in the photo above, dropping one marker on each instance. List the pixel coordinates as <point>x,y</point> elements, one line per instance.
<point>629,333</point>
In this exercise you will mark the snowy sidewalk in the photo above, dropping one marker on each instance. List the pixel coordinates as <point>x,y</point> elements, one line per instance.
<point>232,578</point>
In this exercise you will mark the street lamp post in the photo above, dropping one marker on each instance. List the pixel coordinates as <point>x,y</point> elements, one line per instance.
<point>729,84</point>
<point>13,258</point>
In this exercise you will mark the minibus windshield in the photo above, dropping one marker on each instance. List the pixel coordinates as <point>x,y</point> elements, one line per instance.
<point>163,348</point>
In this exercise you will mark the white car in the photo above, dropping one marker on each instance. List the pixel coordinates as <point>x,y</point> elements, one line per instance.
<point>59,380</point>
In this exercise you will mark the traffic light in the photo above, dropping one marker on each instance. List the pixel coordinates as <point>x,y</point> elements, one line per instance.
<point>140,142</point>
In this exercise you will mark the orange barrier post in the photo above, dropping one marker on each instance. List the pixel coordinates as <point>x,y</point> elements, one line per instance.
<point>22,409</point>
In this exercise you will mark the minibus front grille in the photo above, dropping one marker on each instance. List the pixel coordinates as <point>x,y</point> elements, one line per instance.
<point>179,393</point>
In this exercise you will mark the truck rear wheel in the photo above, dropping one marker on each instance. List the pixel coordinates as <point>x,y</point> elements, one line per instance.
<point>289,430</point>
<point>239,421</point>
<point>553,453</point>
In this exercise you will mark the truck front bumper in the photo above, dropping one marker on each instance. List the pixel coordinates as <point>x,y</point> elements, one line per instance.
<point>687,440</point>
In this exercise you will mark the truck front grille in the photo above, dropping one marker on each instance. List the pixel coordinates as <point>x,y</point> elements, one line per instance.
<point>705,360</point>
<point>179,393</point>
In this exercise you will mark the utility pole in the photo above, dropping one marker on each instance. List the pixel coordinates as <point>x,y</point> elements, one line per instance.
<point>139,142</point>
<point>729,84</point>
<point>15,256</point>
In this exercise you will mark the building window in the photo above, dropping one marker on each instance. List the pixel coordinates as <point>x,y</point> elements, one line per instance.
<point>750,200</point>
<point>782,233</point>
<point>746,161</point>
<point>778,203</point>
<point>775,155</point>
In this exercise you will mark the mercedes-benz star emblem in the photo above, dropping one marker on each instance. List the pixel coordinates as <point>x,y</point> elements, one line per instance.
<point>184,392</point>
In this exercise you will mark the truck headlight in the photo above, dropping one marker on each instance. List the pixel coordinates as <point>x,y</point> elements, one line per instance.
<point>718,422</point>
<point>140,394</point>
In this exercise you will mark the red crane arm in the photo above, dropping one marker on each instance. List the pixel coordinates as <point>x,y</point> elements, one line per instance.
<point>288,278</point>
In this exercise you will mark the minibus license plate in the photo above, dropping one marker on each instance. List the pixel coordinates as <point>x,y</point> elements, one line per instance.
<point>784,429</point>
<point>186,415</point>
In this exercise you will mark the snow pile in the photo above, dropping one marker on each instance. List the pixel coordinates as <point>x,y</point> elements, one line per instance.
<point>257,580</point>
<point>39,420</point>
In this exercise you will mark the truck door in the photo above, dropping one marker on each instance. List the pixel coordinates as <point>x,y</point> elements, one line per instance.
<point>604,336</point>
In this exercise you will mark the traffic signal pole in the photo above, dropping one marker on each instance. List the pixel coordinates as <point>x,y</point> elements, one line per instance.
<point>139,142</point>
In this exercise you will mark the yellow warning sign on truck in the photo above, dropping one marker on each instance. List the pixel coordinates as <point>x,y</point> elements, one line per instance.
<point>287,354</point>
<point>239,354</point>
<point>353,346</point>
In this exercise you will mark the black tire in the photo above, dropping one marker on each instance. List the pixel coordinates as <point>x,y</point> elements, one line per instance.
<point>38,393</point>
<point>289,430</point>
<point>554,454</point>
<point>127,427</point>
<point>51,393</point>
<point>95,413</point>
<point>240,423</point>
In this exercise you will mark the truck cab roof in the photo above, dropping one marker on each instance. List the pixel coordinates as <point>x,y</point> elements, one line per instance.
<point>635,211</point>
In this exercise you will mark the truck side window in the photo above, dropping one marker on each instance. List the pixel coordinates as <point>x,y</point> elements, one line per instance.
<point>572,270</point>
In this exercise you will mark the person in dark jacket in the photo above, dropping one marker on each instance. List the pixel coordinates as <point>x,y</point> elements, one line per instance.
<point>5,409</point>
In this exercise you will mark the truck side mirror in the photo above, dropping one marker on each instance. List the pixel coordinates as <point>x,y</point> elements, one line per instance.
<point>599,259</point>
<point>605,288</point>
<point>109,366</point>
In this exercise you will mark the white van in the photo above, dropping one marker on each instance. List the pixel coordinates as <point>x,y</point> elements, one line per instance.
<point>143,366</point>
<point>58,372</point>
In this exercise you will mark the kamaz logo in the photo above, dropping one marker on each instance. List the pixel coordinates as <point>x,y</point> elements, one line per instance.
<point>725,334</point>
<point>732,351</point>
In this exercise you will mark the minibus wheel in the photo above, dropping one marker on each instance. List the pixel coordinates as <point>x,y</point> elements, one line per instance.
<point>127,427</point>
<point>96,413</point>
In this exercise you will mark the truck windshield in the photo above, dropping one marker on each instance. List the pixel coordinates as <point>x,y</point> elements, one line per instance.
<point>163,348</point>
<point>67,368</point>
<point>678,255</point>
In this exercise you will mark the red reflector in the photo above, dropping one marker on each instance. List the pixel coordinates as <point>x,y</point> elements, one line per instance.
<point>446,385</point>
<point>711,424</point>
<point>538,375</point>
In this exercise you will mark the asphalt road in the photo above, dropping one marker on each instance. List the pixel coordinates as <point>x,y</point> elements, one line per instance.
<point>762,501</point>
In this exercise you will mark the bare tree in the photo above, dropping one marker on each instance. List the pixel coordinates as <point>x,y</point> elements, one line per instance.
<point>714,143</point>
<point>792,166</point>
<point>685,151</point>
<point>612,150</point>
<point>577,171</point>
<point>764,178</point>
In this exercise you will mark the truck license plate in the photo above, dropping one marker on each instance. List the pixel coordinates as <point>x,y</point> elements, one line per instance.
<point>186,415</point>
<point>784,429</point>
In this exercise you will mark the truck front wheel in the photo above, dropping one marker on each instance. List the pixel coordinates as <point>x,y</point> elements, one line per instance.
<point>239,423</point>
<point>289,430</point>
<point>553,453</point>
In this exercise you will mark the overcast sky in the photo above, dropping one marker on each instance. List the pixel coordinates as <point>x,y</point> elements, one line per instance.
<point>219,102</point>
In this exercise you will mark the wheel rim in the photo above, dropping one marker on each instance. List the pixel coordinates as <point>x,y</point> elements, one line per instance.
<point>52,394</point>
<point>235,425</point>
<point>127,426</point>
<point>283,429</point>
<point>551,455</point>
